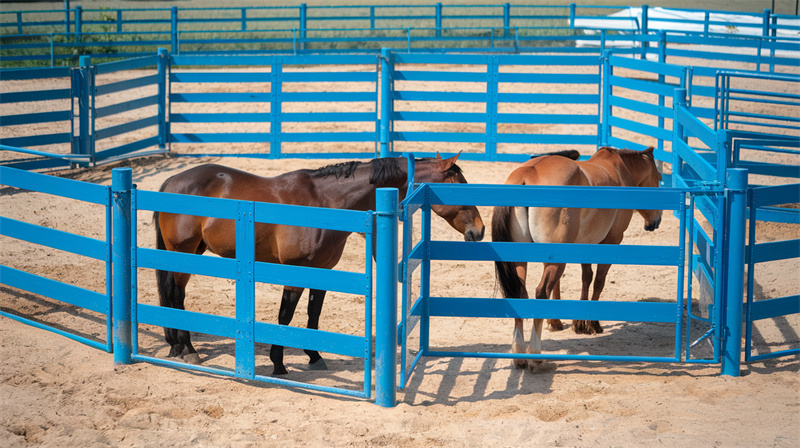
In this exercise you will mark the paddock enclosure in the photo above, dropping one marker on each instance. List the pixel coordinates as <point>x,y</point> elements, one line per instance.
<point>673,296</point>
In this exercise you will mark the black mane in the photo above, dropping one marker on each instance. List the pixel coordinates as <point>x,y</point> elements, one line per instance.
<point>383,171</point>
<point>337,170</point>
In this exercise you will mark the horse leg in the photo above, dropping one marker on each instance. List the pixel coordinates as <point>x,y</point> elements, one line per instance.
<point>556,324</point>
<point>172,292</point>
<point>599,284</point>
<point>550,277</point>
<point>584,326</point>
<point>315,299</point>
<point>291,296</point>
<point>518,340</point>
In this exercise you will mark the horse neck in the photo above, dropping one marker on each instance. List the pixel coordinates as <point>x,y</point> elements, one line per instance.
<point>356,192</point>
<point>637,165</point>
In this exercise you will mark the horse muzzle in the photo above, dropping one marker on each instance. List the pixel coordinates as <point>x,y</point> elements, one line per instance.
<point>650,226</point>
<point>474,235</point>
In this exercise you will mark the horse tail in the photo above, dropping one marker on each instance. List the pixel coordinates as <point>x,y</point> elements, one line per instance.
<point>506,273</point>
<point>167,290</point>
<point>568,153</point>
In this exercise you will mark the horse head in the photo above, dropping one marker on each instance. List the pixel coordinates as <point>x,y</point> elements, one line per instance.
<point>646,175</point>
<point>464,218</point>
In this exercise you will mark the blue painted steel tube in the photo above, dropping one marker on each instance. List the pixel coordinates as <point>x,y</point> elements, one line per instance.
<point>163,61</point>
<point>386,101</point>
<point>734,270</point>
<point>121,185</point>
<point>386,298</point>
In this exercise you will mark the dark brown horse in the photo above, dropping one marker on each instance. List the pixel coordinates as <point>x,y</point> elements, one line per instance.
<point>347,185</point>
<point>607,167</point>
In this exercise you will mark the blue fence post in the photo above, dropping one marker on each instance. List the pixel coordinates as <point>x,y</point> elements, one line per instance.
<point>644,32</point>
<point>175,44</point>
<point>765,24</point>
<point>119,20</point>
<point>506,19</point>
<point>303,25</point>
<point>276,75</point>
<point>386,103</point>
<point>78,21</point>
<point>605,133</point>
<point>572,15</point>
<point>492,82</point>
<point>244,19</point>
<point>438,20</point>
<point>121,185</point>
<point>734,270</point>
<point>81,81</point>
<point>372,17</point>
<point>66,17</point>
<point>678,99</point>
<point>245,290</point>
<point>386,298</point>
<point>163,61</point>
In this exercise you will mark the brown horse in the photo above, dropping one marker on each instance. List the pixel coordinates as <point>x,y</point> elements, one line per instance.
<point>607,167</point>
<point>347,185</point>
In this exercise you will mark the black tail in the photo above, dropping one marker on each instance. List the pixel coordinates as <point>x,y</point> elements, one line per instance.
<point>506,273</point>
<point>568,153</point>
<point>167,290</point>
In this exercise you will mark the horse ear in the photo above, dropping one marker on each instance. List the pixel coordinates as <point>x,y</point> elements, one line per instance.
<point>449,162</point>
<point>438,157</point>
<point>649,150</point>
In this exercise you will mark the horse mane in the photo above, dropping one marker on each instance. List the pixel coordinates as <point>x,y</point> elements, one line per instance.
<point>629,152</point>
<point>386,170</point>
<point>337,170</point>
<point>382,171</point>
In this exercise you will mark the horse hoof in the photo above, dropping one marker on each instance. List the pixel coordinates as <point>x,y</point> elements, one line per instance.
<point>539,366</point>
<point>520,363</point>
<point>555,325</point>
<point>279,371</point>
<point>318,365</point>
<point>192,358</point>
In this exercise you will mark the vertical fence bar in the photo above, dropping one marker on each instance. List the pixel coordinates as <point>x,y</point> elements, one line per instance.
<point>506,19</point>
<point>245,290</point>
<point>678,101</point>
<point>119,20</point>
<point>491,107</point>
<point>438,20</point>
<point>386,102</point>
<point>163,61</point>
<point>765,23</point>
<point>303,25</point>
<point>276,72</point>
<point>84,105</point>
<point>19,22</point>
<point>605,133</point>
<point>78,22</point>
<point>175,48</point>
<point>372,17</point>
<point>645,30</point>
<point>66,17</point>
<point>734,270</point>
<point>572,15</point>
<point>121,185</point>
<point>244,19</point>
<point>386,298</point>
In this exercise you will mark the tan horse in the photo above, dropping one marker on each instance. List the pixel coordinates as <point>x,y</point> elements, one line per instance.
<point>607,167</point>
<point>347,185</point>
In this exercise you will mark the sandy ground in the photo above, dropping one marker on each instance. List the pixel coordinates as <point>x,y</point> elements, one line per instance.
<point>57,392</point>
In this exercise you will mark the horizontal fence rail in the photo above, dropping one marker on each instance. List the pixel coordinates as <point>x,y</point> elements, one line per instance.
<point>245,328</point>
<point>63,241</point>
